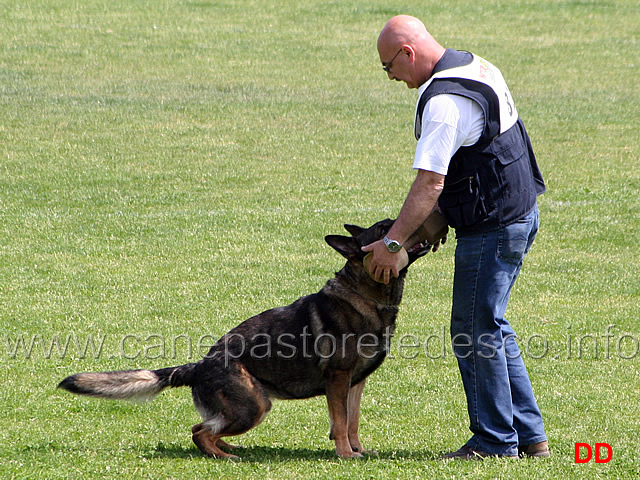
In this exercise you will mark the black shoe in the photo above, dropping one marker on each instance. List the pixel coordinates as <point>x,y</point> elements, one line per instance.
<point>468,453</point>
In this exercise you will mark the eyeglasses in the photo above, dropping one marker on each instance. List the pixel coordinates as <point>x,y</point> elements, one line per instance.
<point>387,66</point>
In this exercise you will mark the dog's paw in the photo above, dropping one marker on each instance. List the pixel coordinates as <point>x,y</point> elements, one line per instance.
<point>364,451</point>
<point>349,454</point>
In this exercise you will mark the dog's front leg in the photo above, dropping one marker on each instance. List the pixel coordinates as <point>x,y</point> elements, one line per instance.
<point>355,396</point>
<point>338,385</point>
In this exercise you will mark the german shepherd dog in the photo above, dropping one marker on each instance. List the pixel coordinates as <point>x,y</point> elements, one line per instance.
<point>327,343</point>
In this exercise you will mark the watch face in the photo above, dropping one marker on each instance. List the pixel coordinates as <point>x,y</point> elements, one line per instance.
<point>392,245</point>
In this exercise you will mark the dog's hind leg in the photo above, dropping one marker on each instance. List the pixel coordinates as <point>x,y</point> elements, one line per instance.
<point>209,443</point>
<point>222,444</point>
<point>231,409</point>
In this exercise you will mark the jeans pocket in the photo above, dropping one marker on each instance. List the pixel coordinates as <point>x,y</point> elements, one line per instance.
<point>515,240</point>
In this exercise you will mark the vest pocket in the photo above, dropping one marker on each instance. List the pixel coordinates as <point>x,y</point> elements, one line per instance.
<point>514,172</point>
<point>462,202</point>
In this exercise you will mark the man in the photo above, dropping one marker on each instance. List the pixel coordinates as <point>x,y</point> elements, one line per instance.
<point>475,164</point>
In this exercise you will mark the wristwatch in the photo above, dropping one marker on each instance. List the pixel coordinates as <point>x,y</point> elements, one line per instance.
<point>392,245</point>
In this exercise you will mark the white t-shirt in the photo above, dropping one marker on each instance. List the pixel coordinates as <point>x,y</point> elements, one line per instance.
<point>448,123</point>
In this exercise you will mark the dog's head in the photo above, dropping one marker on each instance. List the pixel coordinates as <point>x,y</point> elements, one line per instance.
<point>351,247</point>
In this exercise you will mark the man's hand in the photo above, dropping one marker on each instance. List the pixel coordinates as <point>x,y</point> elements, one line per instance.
<point>383,263</point>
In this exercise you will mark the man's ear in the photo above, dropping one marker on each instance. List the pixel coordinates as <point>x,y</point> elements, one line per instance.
<point>345,246</point>
<point>410,51</point>
<point>354,230</point>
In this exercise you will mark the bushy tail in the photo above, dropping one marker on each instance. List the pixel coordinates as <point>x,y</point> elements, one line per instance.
<point>139,385</point>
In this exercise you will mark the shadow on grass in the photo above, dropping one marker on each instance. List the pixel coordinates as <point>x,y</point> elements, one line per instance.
<point>259,454</point>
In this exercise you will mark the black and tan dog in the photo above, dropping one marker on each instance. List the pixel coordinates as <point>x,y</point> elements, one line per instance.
<point>322,344</point>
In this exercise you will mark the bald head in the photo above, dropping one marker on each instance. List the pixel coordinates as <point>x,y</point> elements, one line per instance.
<point>403,29</point>
<point>409,36</point>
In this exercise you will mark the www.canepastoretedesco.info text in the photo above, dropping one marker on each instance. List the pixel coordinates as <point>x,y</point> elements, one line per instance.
<point>608,344</point>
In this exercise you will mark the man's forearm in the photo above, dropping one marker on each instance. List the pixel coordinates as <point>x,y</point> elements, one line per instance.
<point>420,201</point>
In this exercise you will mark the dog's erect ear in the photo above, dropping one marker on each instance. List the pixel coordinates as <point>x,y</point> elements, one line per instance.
<point>345,246</point>
<point>354,230</point>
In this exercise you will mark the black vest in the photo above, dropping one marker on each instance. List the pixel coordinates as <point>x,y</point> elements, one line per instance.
<point>494,182</point>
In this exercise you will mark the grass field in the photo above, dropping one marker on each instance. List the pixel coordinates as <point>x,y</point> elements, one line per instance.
<point>170,168</point>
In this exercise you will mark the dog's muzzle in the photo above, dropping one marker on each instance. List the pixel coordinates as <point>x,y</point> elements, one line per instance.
<point>419,250</point>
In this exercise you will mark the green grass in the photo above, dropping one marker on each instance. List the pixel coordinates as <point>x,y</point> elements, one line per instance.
<point>170,168</point>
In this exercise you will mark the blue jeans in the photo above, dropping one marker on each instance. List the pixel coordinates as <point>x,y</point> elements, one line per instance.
<point>503,411</point>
